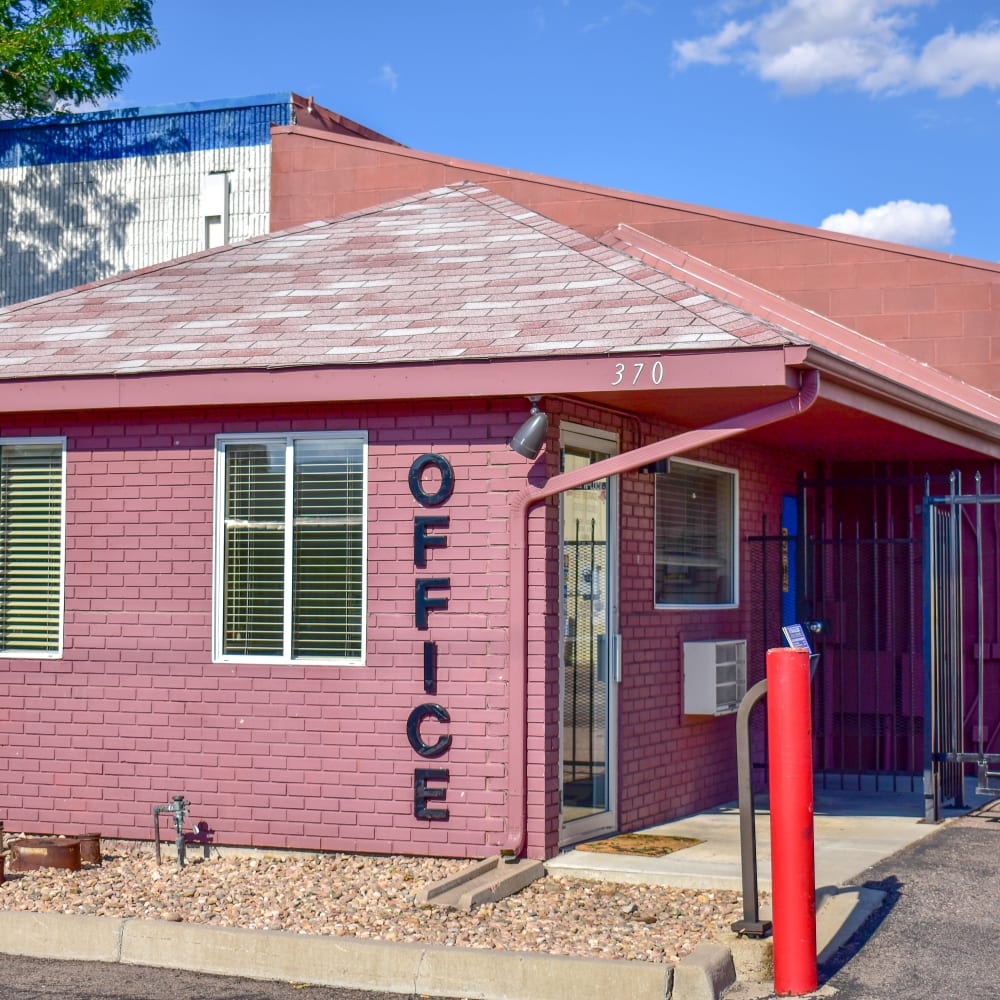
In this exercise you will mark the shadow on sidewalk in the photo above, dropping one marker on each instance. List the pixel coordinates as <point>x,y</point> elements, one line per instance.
<point>892,888</point>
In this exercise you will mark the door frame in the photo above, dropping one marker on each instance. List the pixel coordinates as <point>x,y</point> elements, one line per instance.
<point>606,821</point>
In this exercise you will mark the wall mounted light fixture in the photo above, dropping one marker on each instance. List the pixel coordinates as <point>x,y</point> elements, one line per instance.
<point>530,436</point>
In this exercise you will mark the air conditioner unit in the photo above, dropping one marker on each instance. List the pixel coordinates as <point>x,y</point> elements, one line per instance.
<point>715,676</point>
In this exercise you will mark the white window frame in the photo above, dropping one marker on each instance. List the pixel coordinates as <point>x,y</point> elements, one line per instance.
<point>735,513</point>
<point>47,654</point>
<point>219,561</point>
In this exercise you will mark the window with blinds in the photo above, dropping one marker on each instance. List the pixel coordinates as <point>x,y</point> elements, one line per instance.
<point>31,547</point>
<point>291,547</point>
<point>695,536</point>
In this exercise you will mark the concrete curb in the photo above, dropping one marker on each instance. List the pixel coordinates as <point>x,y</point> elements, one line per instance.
<point>840,914</point>
<point>431,970</point>
<point>705,974</point>
<point>57,935</point>
<point>483,882</point>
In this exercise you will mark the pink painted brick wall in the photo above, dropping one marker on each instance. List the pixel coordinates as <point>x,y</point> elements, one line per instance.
<point>269,754</point>
<point>670,764</point>
<point>674,764</point>
<point>313,757</point>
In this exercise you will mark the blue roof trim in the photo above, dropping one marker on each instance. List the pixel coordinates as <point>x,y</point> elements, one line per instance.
<point>126,132</point>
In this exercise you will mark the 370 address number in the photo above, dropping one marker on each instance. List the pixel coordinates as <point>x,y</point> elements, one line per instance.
<point>638,373</point>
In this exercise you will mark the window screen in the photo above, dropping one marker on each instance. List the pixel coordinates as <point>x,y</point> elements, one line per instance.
<point>31,546</point>
<point>695,535</point>
<point>293,542</point>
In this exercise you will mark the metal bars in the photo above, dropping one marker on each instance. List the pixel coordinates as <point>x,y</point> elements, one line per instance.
<point>909,682</point>
<point>861,549</point>
<point>960,692</point>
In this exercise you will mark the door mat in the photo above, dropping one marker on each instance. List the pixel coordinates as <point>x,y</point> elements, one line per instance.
<point>646,845</point>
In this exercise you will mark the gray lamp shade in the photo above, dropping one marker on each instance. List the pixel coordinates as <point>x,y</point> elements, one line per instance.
<point>530,437</point>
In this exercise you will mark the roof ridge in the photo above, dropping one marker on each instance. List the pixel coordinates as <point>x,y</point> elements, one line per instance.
<point>790,315</point>
<point>506,173</point>
<point>593,248</point>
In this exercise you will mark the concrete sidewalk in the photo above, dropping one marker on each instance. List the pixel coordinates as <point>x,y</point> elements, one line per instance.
<point>853,831</point>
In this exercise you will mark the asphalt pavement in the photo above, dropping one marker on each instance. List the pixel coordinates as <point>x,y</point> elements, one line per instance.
<point>935,935</point>
<point>50,979</point>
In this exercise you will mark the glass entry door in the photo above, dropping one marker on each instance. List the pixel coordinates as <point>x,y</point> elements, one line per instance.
<point>589,667</point>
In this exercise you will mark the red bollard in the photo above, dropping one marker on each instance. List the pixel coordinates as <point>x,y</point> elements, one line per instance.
<point>793,862</point>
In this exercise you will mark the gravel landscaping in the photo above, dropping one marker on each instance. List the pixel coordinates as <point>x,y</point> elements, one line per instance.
<point>372,897</point>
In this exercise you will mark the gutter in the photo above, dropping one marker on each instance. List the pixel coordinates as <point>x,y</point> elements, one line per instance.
<point>963,421</point>
<point>517,798</point>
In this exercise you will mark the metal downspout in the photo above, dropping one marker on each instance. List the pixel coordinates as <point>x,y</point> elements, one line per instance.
<point>517,797</point>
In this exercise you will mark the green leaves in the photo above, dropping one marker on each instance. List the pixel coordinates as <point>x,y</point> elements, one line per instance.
<point>57,53</point>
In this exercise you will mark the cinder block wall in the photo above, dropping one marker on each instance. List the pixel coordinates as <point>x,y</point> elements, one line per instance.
<point>940,310</point>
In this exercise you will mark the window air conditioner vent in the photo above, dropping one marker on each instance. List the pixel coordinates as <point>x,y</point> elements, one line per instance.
<point>715,676</point>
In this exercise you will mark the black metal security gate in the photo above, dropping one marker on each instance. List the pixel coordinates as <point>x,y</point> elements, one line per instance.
<point>961,644</point>
<point>901,575</point>
<point>851,566</point>
<point>860,572</point>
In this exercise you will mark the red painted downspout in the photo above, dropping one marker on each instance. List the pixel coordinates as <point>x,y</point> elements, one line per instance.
<point>517,797</point>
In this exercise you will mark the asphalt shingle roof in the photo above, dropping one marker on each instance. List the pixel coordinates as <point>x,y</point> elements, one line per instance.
<point>456,273</point>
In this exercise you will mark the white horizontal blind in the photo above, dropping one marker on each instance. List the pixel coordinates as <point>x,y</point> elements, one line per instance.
<point>31,504</point>
<point>695,557</point>
<point>253,615</point>
<point>293,586</point>
<point>328,563</point>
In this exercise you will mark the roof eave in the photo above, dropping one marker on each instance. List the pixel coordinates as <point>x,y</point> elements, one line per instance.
<point>615,371</point>
<point>859,388</point>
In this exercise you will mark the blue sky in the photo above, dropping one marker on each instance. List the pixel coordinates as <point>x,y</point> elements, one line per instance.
<point>882,114</point>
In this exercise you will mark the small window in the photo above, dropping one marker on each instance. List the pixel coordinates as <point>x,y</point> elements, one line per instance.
<point>695,536</point>
<point>290,547</point>
<point>31,547</point>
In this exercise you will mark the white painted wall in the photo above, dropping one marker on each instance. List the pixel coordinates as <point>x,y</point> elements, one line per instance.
<point>65,224</point>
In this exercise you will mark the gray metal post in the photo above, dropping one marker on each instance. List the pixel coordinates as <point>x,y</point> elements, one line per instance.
<point>932,800</point>
<point>751,925</point>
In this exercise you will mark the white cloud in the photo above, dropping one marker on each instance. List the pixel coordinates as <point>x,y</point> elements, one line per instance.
<point>714,49</point>
<point>803,45</point>
<point>915,223</point>
<point>957,63</point>
<point>390,77</point>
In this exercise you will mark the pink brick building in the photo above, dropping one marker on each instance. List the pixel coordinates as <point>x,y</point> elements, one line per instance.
<point>265,542</point>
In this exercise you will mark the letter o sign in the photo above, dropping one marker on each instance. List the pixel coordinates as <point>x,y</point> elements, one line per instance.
<point>444,490</point>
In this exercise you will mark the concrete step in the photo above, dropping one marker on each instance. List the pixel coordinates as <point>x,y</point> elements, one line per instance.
<point>483,882</point>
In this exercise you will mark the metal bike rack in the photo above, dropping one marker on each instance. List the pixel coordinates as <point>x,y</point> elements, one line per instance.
<point>751,925</point>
